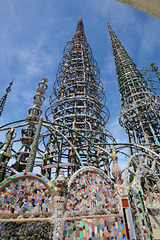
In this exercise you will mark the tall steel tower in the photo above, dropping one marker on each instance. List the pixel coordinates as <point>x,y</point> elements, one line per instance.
<point>78,113</point>
<point>140,114</point>
<point>3,99</point>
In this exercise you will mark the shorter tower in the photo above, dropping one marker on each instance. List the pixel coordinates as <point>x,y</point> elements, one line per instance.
<point>140,114</point>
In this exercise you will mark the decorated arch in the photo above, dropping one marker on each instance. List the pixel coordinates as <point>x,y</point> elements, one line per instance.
<point>94,208</point>
<point>90,189</point>
<point>24,195</point>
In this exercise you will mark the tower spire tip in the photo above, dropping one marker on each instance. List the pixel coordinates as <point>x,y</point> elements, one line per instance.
<point>80,27</point>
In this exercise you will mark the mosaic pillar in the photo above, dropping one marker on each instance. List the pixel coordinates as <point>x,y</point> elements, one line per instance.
<point>154,211</point>
<point>5,152</point>
<point>58,214</point>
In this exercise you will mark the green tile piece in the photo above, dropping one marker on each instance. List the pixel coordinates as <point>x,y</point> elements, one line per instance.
<point>81,224</point>
<point>112,234</point>
<point>146,236</point>
<point>87,227</point>
<point>141,215</point>
<point>97,222</point>
<point>81,235</point>
<point>112,220</point>
<point>70,231</point>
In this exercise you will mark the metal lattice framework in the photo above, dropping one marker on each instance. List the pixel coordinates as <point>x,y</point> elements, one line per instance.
<point>152,80</point>
<point>155,69</point>
<point>78,111</point>
<point>24,157</point>
<point>140,114</point>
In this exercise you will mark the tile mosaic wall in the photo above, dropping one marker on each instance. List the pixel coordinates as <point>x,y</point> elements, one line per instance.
<point>25,196</point>
<point>90,190</point>
<point>94,229</point>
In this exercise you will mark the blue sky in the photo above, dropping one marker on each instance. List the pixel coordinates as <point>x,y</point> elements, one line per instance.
<point>33,35</point>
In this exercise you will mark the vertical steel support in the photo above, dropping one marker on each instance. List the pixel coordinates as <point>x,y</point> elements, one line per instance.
<point>32,154</point>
